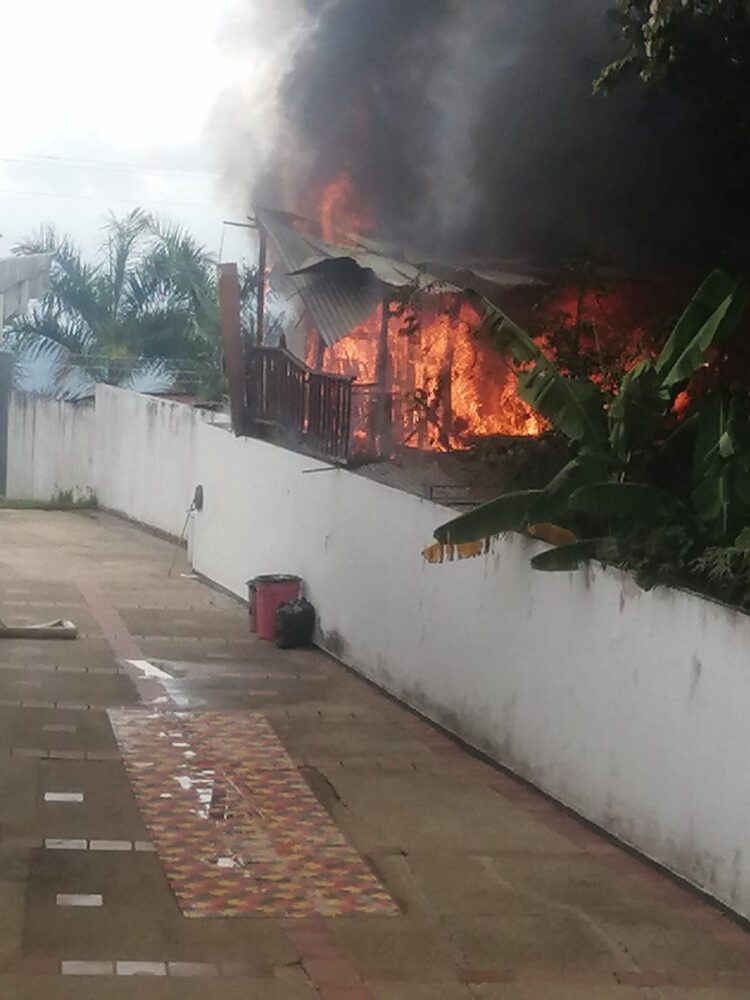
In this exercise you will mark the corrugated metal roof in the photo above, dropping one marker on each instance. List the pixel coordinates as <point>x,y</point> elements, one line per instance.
<point>335,304</point>
<point>341,286</point>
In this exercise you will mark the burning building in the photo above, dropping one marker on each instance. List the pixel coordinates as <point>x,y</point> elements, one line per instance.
<point>384,352</point>
<point>403,333</point>
<point>469,129</point>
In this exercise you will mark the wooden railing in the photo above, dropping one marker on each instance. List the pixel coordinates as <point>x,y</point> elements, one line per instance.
<point>314,407</point>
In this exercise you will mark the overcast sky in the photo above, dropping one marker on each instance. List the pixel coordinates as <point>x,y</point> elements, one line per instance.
<point>105,106</point>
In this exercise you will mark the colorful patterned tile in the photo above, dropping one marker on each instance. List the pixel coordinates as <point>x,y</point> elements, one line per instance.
<point>236,827</point>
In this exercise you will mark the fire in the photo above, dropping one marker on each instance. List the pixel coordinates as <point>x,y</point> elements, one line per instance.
<point>600,335</point>
<point>447,386</point>
<point>341,217</point>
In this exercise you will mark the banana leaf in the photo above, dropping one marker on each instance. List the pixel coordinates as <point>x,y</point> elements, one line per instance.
<point>506,335</point>
<point>552,502</point>
<point>632,501</point>
<point>509,512</point>
<point>712,315</point>
<point>566,558</point>
<point>637,411</point>
<point>514,511</point>
<point>575,407</point>
<point>714,447</point>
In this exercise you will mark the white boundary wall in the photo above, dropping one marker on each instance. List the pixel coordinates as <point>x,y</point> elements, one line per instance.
<point>145,450</point>
<point>50,448</point>
<point>631,708</point>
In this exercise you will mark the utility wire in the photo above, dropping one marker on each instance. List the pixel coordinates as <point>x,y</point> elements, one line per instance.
<point>67,161</point>
<point>104,198</point>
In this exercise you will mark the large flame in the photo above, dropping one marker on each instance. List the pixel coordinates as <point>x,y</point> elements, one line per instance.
<point>341,217</point>
<point>446,385</point>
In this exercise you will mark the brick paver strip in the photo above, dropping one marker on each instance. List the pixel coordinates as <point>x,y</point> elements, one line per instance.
<point>114,629</point>
<point>329,970</point>
<point>236,826</point>
<point>124,645</point>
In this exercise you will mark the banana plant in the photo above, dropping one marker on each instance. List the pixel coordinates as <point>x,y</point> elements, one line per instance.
<point>614,439</point>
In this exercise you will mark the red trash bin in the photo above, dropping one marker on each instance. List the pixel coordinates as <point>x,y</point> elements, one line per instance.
<point>270,593</point>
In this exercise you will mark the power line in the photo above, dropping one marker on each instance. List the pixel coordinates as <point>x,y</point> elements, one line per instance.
<point>105,198</point>
<point>67,161</point>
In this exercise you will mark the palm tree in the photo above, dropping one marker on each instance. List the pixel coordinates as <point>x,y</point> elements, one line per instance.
<point>144,314</point>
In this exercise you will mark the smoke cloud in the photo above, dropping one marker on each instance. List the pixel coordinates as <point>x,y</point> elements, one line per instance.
<point>469,127</point>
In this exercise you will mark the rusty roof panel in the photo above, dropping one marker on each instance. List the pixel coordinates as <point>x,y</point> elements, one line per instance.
<point>340,287</point>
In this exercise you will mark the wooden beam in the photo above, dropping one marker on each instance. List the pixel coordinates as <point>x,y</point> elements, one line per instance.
<point>382,430</point>
<point>262,262</point>
<point>231,336</point>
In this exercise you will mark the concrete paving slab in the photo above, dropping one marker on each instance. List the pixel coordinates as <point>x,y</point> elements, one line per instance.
<point>140,920</point>
<point>406,949</point>
<point>107,812</point>
<point>51,729</point>
<point>557,941</point>
<point>456,884</point>
<point>503,895</point>
<point>700,993</point>
<point>19,778</point>
<point>12,906</point>
<point>71,653</point>
<point>83,688</point>
<point>187,623</point>
<point>661,947</point>
<point>576,881</point>
<point>359,737</point>
<point>413,991</point>
<point>431,811</point>
<point>145,988</point>
<point>574,991</point>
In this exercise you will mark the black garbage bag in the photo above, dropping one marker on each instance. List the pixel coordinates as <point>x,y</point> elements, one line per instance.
<point>295,624</point>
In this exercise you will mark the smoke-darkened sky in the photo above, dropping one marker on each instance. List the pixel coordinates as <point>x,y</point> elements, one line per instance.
<point>470,126</point>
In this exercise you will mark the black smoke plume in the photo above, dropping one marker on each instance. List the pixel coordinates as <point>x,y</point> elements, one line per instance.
<point>469,127</point>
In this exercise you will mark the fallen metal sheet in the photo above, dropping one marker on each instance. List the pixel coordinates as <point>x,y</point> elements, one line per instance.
<point>339,286</point>
<point>236,827</point>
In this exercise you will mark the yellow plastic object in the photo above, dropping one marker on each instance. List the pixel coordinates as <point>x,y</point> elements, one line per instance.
<point>551,533</point>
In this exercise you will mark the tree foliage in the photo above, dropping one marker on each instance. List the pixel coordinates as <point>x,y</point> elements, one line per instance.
<point>145,310</point>
<point>697,52</point>
<point>645,487</point>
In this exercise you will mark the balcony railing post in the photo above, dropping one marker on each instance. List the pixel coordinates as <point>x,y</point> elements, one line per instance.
<point>313,406</point>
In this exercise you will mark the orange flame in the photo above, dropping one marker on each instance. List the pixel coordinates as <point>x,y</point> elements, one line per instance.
<point>341,217</point>
<point>447,386</point>
<point>446,383</point>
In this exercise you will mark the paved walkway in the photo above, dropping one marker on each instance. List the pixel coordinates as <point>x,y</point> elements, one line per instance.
<point>498,894</point>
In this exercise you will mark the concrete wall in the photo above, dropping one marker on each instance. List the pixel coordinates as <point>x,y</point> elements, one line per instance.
<point>629,707</point>
<point>50,448</point>
<point>145,457</point>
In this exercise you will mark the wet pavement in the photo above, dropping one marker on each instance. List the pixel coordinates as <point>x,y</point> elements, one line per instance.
<point>293,834</point>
